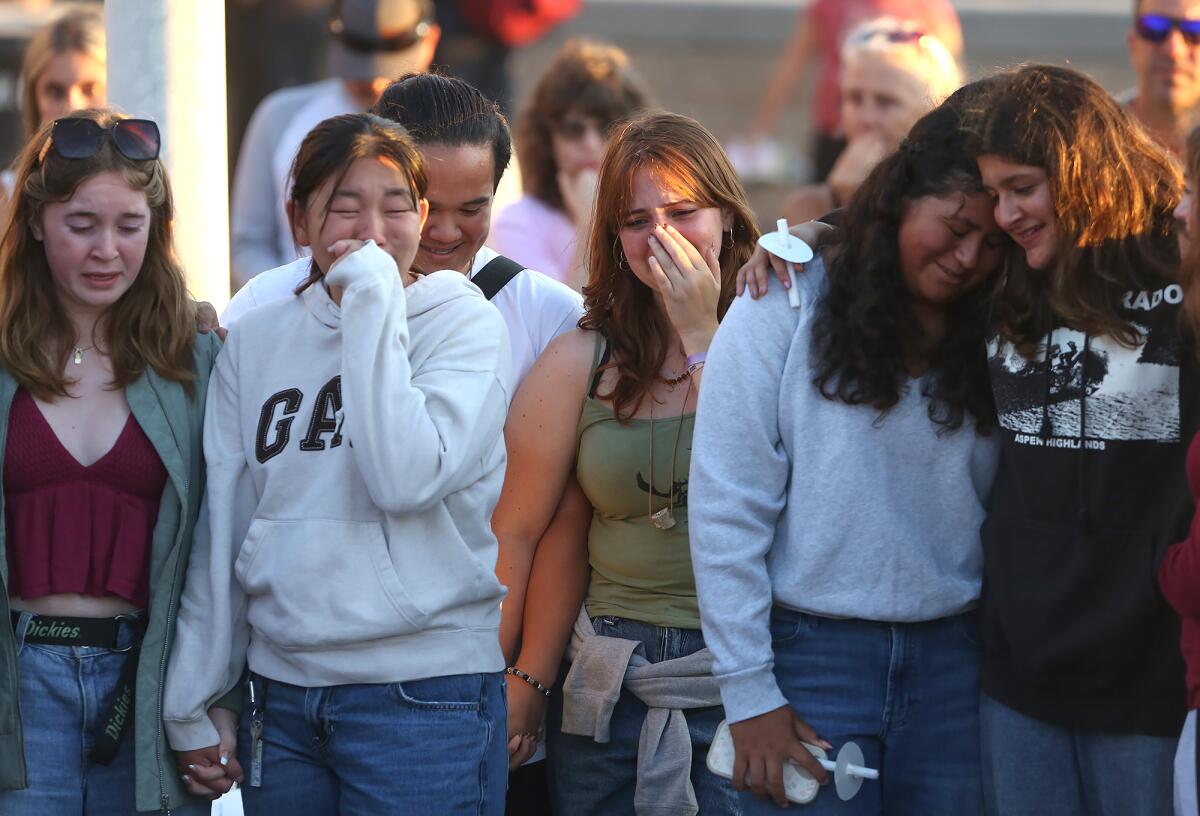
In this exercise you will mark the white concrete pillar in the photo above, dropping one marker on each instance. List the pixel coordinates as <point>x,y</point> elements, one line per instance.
<point>166,62</point>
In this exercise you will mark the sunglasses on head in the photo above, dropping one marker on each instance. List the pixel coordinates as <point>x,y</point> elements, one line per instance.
<point>1156,28</point>
<point>80,138</point>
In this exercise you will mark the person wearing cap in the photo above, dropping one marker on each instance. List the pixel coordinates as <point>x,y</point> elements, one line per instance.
<point>371,42</point>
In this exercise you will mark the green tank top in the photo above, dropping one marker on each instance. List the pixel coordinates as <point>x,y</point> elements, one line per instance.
<point>638,571</point>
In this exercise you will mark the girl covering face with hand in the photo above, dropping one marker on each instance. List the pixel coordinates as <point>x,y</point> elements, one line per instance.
<point>614,405</point>
<point>354,452</point>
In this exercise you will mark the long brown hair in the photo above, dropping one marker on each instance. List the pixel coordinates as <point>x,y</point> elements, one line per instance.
<point>152,324</point>
<point>1113,189</point>
<point>616,303</point>
<point>587,76</point>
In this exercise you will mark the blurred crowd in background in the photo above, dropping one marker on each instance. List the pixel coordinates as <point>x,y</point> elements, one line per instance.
<point>801,127</point>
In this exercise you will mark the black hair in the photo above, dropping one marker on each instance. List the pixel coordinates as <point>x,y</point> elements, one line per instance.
<point>865,334</point>
<point>438,109</point>
<point>336,143</point>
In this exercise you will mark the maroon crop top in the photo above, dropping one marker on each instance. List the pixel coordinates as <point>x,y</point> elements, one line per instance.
<point>72,528</point>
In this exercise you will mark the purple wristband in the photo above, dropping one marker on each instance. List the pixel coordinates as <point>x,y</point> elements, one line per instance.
<point>696,359</point>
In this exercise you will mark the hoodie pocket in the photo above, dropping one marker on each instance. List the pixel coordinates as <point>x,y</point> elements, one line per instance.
<point>316,583</point>
<point>1066,609</point>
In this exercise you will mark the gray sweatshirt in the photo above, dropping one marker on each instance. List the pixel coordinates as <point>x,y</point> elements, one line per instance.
<point>816,505</point>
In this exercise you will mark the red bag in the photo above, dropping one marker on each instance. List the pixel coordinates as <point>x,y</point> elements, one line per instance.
<point>518,22</point>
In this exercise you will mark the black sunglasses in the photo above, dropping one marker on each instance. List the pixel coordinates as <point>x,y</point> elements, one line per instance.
<point>1156,28</point>
<point>573,129</point>
<point>76,137</point>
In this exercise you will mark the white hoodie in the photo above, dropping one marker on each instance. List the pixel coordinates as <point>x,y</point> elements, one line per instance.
<point>347,541</point>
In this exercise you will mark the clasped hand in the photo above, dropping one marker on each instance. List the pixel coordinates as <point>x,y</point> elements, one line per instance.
<point>211,772</point>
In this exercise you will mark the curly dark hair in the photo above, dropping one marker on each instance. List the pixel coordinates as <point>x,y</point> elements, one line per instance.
<point>865,332</point>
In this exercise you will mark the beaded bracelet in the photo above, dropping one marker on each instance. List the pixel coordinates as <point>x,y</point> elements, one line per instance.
<point>515,672</point>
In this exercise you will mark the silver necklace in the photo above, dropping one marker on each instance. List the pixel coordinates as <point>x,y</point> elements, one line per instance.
<point>78,355</point>
<point>664,517</point>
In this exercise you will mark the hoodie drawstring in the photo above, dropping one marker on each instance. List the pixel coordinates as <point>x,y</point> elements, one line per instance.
<point>1085,519</point>
<point>1047,429</point>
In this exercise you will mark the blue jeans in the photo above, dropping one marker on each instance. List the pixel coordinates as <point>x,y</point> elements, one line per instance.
<point>429,746</point>
<point>588,778</point>
<point>1033,767</point>
<point>907,693</point>
<point>66,692</point>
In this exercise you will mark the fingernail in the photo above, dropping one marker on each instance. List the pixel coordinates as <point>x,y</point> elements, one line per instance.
<point>826,745</point>
<point>787,283</point>
<point>191,767</point>
<point>185,778</point>
<point>224,759</point>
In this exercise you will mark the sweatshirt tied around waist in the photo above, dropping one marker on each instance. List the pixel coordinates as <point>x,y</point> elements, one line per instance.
<point>600,668</point>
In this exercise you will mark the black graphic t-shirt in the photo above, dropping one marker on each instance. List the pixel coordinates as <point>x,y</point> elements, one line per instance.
<point>1090,491</point>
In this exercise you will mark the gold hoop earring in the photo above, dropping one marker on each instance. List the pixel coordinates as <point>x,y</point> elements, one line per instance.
<point>619,253</point>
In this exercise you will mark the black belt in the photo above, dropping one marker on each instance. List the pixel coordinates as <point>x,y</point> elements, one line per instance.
<point>57,630</point>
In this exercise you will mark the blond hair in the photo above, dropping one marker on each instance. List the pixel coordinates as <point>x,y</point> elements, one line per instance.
<point>886,37</point>
<point>80,30</point>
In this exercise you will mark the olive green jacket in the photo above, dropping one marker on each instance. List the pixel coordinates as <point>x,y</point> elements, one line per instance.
<point>173,421</point>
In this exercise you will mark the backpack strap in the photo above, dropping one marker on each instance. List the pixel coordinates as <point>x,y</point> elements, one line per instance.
<point>495,275</point>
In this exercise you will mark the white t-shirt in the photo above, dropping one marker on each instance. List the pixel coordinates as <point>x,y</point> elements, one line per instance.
<point>535,307</point>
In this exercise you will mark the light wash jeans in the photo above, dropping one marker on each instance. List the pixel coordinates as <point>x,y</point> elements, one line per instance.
<point>65,692</point>
<point>906,693</point>
<point>1185,769</point>
<point>422,747</point>
<point>1031,768</point>
<point>588,778</point>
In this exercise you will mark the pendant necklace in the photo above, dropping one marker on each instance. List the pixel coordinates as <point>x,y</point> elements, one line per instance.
<point>78,355</point>
<point>664,517</point>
